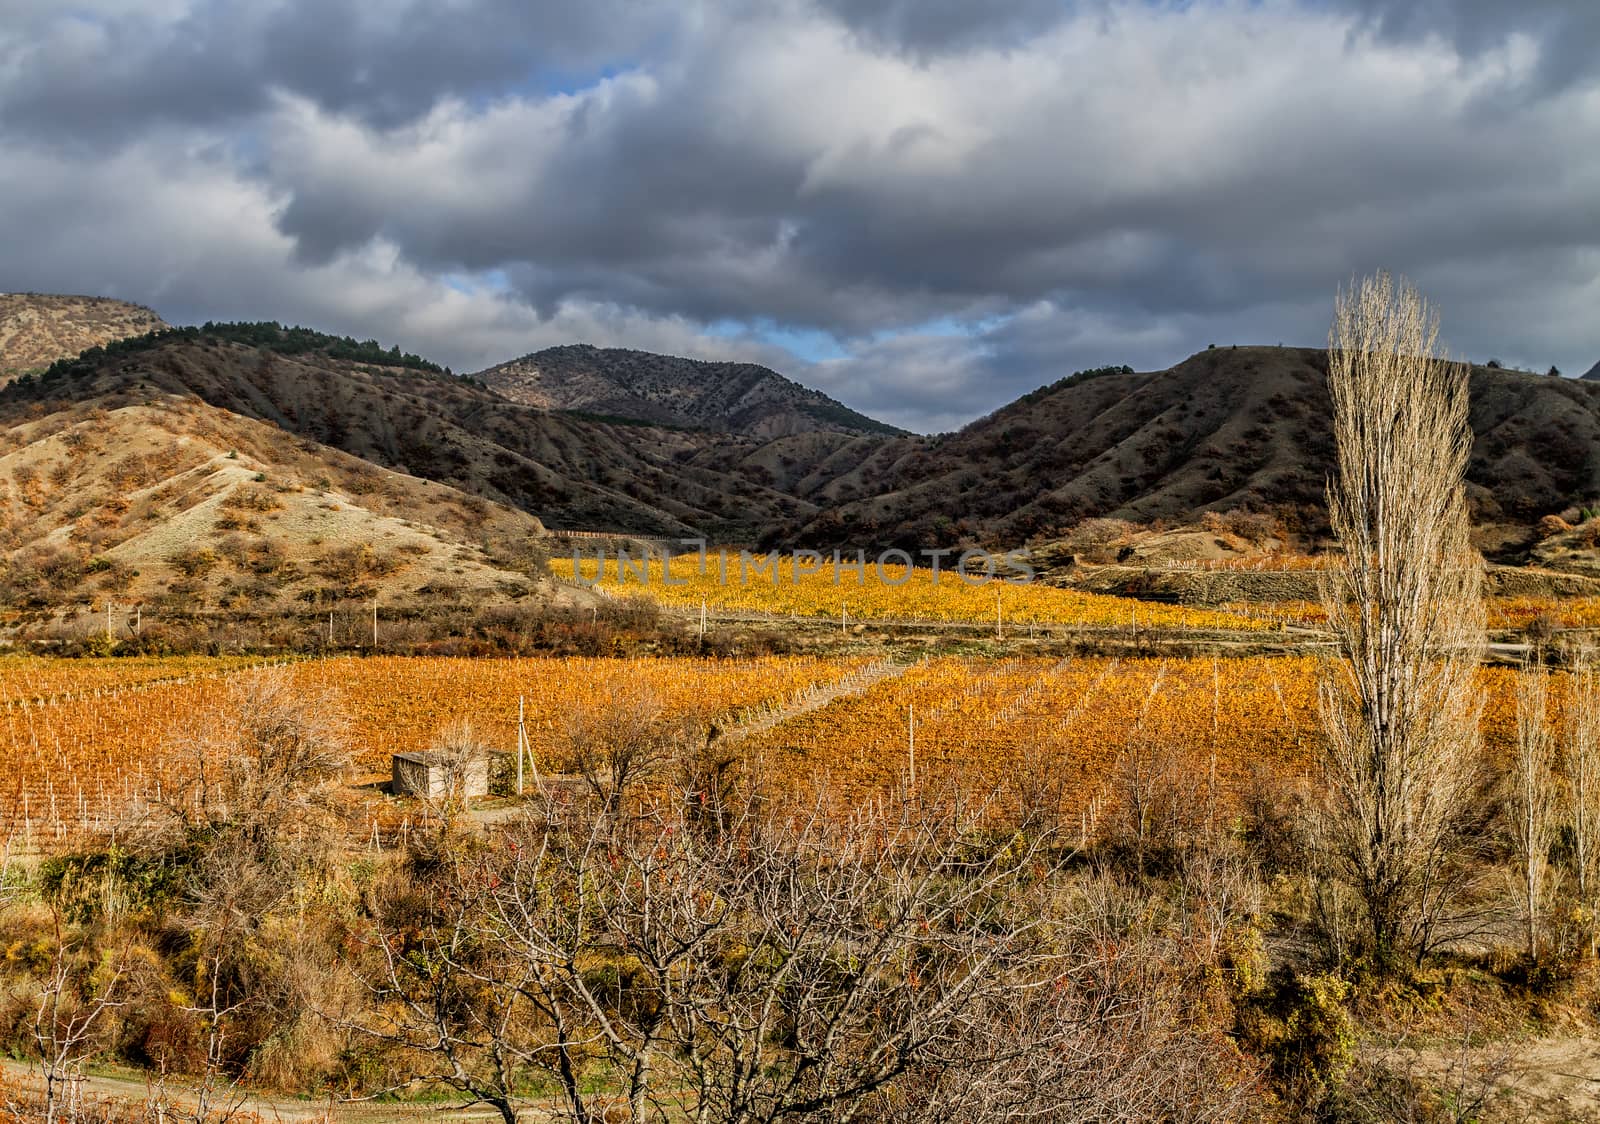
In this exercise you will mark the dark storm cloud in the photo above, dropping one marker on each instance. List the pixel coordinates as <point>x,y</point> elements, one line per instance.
<point>825,214</point>
<point>80,75</point>
<point>971,199</point>
<point>1567,31</point>
<point>934,26</point>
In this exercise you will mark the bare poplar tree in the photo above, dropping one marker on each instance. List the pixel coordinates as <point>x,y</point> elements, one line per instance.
<point>1531,801</point>
<point>1580,762</point>
<point>1400,705</point>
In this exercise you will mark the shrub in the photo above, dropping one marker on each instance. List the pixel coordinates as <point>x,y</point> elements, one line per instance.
<point>1552,525</point>
<point>195,562</point>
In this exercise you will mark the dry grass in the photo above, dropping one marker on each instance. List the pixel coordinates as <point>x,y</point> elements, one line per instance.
<point>37,329</point>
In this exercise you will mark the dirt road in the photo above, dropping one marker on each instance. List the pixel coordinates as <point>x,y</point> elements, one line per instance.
<point>26,1079</point>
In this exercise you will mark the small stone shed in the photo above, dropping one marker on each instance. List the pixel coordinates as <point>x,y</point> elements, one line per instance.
<point>438,776</point>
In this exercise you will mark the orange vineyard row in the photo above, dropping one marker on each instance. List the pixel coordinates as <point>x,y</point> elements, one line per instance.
<point>28,679</point>
<point>78,764</point>
<point>740,584</point>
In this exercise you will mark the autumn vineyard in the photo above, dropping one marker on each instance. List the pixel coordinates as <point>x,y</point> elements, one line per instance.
<point>86,741</point>
<point>1282,814</point>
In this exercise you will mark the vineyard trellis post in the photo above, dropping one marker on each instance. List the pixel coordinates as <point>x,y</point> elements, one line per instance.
<point>911,741</point>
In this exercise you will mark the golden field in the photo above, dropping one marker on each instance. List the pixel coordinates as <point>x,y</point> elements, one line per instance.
<point>731,584</point>
<point>108,734</point>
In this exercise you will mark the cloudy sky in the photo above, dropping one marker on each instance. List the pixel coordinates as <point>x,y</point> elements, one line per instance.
<point>923,207</point>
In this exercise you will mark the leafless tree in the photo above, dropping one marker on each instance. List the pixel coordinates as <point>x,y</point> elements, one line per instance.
<point>438,992</point>
<point>262,763</point>
<point>69,1002</point>
<point>251,816</point>
<point>217,1096</point>
<point>1579,752</point>
<point>894,965</point>
<point>1530,801</point>
<point>623,740</point>
<point>1400,705</point>
<point>1112,1037</point>
<point>460,749</point>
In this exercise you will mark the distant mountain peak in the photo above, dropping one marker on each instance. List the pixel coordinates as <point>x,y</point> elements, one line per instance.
<point>729,397</point>
<point>1593,372</point>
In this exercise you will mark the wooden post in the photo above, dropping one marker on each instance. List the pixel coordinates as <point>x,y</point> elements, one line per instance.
<point>999,621</point>
<point>108,618</point>
<point>519,744</point>
<point>374,623</point>
<point>138,620</point>
<point>330,628</point>
<point>911,741</point>
<point>702,619</point>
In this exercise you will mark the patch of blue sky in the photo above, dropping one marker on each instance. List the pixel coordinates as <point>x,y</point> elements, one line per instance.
<point>541,83</point>
<point>492,281</point>
<point>809,344</point>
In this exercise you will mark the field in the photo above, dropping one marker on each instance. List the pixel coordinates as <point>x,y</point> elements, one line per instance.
<point>25,681</point>
<point>78,760</point>
<point>731,584</point>
<point>1507,613</point>
<point>86,741</point>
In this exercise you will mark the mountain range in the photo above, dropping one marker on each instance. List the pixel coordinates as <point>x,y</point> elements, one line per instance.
<point>263,465</point>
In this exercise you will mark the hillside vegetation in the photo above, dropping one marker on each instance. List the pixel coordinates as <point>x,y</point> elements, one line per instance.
<point>622,441</point>
<point>741,398</point>
<point>183,508</point>
<point>1226,429</point>
<point>38,329</point>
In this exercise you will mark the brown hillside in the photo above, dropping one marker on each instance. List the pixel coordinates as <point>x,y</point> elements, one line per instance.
<point>572,471</point>
<point>37,329</point>
<point>738,398</point>
<point>1233,429</point>
<point>1226,429</point>
<point>177,505</point>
